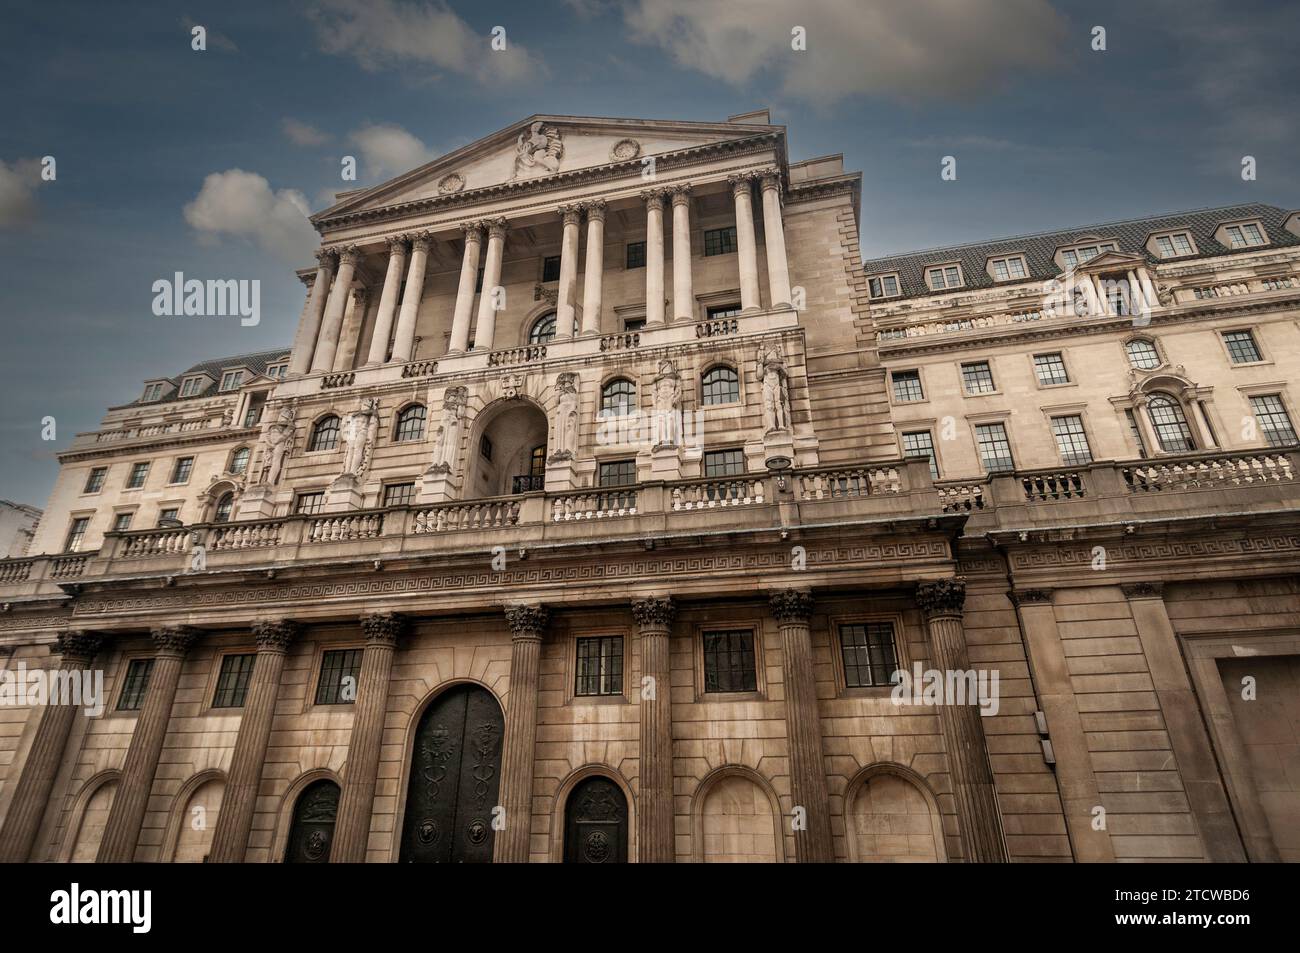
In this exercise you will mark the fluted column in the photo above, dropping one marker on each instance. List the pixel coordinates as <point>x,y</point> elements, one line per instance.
<point>486,327</point>
<point>792,609</point>
<point>778,268</point>
<point>683,296</point>
<point>387,303</point>
<point>304,344</point>
<point>654,814</point>
<point>527,626</point>
<point>354,316</point>
<point>465,289</point>
<point>654,256</point>
<point>963,731</point>
<point>594,268</point>
<point>564,309</point>
<point>746,244</point>
<point>1148,289</point>
<point>32,792</point>
<point>235,822</point>
<point>132,799</point>
<point>327,342</point>
<point>404,339</point>
<point>356,802</point>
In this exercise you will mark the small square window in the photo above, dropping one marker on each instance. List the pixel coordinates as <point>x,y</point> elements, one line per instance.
<point>1071,440</point>
<point>136,478</point>
<point>135,684</point>
<point>1175,245</point>
<point>907,386</point>
<point>399,494</point>
<point>994,447</point>
<point>724,463</point>
<point>947,276</point>
<point>181,471</point>
<point>551,268</point>
<point>232,682</point>
<point>978,378</point>
<point>618,473</point>
<point>920,443</point>
<point>720,241</point>
<point>729,664</point>
<point>1005,269</point>
<point>339,672</point>
<point>1050,369</point>
<point>231,380</point>
<point>169,514</point>
<point>309,504</point>
<point>883,286</point>
<point>635,255</point>
<point>869,653</point>
<point>1242,348</point>
<point>76,534</point>
<point>95,480</point>
<point>191,386</point>
<point>152,393</point>
<point>599,668</point>
<point>122,522</point>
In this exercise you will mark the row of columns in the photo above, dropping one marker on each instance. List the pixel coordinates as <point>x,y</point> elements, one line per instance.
<point>1140,287</point>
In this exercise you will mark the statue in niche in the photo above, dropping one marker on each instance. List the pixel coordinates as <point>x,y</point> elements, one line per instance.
<point>274,446</point>
<point>537,151</point>
<point>774,378</point>
<point>360,428</point>
<point>566,418</point>
<point>447,439</point>
<point>667,405</point>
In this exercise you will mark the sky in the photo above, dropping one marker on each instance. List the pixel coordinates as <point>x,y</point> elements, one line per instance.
<point>207,162</point>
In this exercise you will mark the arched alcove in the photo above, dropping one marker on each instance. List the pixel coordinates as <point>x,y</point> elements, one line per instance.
<point>514,430</point>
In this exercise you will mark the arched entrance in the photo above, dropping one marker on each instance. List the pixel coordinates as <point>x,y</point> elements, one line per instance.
<point>595,823</point>
<point>455,777</point>
<point>507,453</point>
<point>312,833</point>
<point>892,818</point>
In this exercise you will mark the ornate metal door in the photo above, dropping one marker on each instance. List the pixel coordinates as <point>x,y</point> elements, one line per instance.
<point>455,777</point>
<point>312,832</point>
<point>595,823</point>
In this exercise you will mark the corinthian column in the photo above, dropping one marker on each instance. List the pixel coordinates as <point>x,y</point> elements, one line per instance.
<point>132,798</point>
<point>564,310</point>
<point>963,731</point>
<point>792,609</point>
<point>778,268</point>
<point>683,297</point>
<point>404,340</point>
<point>235,821</point>
<point>527,626</point>
<point>387,303</point>
<point>654,256</point>
<point>746,244</point>
<point>465,289</point>
<point>32,793</point>
<point>352,827</point>
<point>594,269</point>
<point>485,328</point>
<point>654,815</point>
<point>304,343</point>
<point>332,324</point>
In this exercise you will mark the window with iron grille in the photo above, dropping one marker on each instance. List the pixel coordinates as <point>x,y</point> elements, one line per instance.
<point>139,471</point>
<point>410,423</point>
<point>1137,432</point>
<point>869,652</point>
<point>325,435</point>
<point>1071,440</point>
<point>885,286</point>
<point>907,386</point>
<point>1172,246</point>
<point>239,460</point>
<point>721,385</point>
<point>920,443</point>
<point>722,311</point>
<point>617,398</point>
<point>1170,424</point>
<point>977,377</point>
<point>1142,354</point>
<point>309,503</point>
<point>948,276</point>
<point>135,684</point>
<point>181,471</point>
<point>399,494</point>
<point>1004,268</point>
<point>994,447</point>
<point>122,522</point>
<point>224,505</point>
<point>1274,421</point>
<point>635,255</point>
<point>724,463</point>
<point>95,481</point>
<point>1241,347</point>
<point>339,671</point>
<point>76,534</point>
<point>551,268</point>
<point>729,661</point>
<point>719,241</point>
<point>1050,369</point>
<point>600,666</point>
<point>232,681</point>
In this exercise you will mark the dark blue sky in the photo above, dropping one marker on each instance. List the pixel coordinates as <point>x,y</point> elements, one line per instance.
<point>1046,133</point>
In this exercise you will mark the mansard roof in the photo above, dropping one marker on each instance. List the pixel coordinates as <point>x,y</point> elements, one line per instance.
<point>257,362</point>
<point>1040,249</point>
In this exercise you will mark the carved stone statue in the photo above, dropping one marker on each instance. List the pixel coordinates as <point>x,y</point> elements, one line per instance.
<point>360,428</point>
<point>274,446</point>
<point>447,439</point>
<point>774,378</point>
<point>537,151</point>
<point>566,418</point>
<point>667,403</point>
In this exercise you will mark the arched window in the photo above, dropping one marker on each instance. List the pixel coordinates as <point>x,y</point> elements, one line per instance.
<point>1142,354</point>
<point>224,505</point>
<point>721,385</point>
<point>1170,424</point>
<point>239,460</point>
<point>325,435</point>
<point>618,397</point>
<point>410,423</point>
<point>543,329</point>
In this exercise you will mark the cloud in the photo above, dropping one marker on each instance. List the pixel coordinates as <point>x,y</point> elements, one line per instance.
<point>388,150</point>
<point>921,49</point>
<point>391,34</point>
<point>242,204</point>
<point>18,183</point>
<point>301,133</point>
<point>216,40</point>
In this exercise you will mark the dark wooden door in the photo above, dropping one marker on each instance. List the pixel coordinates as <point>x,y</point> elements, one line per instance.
<point>595,823</point>
<point>312,832</point>
<point>455,778</point>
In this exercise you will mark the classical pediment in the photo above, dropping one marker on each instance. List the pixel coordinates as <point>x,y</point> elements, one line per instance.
<point>540,147</point>
<point>1112,259</point>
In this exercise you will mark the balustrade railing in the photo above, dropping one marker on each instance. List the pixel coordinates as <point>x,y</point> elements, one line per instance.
<point>597,504</point>
<point>1191,473</point>
<point>451,517</point>
<point>228,536</point>
<point>960,497</point>
<point>344,527</point>
<point>708,494</point>
<point>527,354</point>
<point>160,542</point>
<point>1062,485</point>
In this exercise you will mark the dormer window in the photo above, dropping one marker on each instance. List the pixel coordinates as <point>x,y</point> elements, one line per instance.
<point>1073,257</point>
<point>277,371</point>
<point>1175,245</point>
<point>943,277</point>
<point>1006,269</point>
<point>191,386</point>
<point>231,380</point>
<point>153,392</point>
<point>1246,235</point>
<point>883,286</point>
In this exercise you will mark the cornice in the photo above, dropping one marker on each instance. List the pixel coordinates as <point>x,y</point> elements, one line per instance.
<point>190,439</point>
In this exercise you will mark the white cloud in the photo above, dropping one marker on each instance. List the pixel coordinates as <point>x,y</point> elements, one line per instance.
<point>242,204</point>
<point>392,34</point>
<point>388,150</point>
<point>18,183</point>
<point>301,133</point>
<point>914,50</point>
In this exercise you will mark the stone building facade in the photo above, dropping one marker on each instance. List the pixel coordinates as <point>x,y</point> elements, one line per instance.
<point>589,517</point>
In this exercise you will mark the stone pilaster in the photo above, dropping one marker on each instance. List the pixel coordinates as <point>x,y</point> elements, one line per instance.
<point>132,799</point>
<point>527,626</point>
<point>963,730</point>
<point>792,609</point>
<point>230,840</point>
<point>32,792</point>
<point>654,815</point>
<point>352,827</point>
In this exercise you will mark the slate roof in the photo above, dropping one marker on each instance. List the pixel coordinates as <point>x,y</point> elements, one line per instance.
<point>1039,249</point>
<point>256,361</point>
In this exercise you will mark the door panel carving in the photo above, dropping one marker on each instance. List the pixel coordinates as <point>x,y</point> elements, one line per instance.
<point>595,823</point>
<point>313,824</point>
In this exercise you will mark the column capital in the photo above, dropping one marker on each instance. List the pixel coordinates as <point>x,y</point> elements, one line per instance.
<point>1140,400</point>
<point>791,605</point>
<point>654,611</point>
<point>420,241</point>
<point>174,639</point>
<point>349,255</point>
<point>770,180</point>
<point>740,182</point>
<point>397,245</point>
<point>1030,597</point>
<point>274,635</point>
<point>326,257</point>
<point>1143,590</point>
<point>78,646</point>
<point>570,214</point>
<point>595,210</point>
<point>473,231</point>
<point>497,228</point>
<point>941,597</point>
<point>527,622</point>
<point>382,628</point>
<point>654,198</point>
<point>681,194</point>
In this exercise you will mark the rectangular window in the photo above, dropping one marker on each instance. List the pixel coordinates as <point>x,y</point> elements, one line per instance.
<point>1006,268</point>
<point>920,443</point>
<point>729,661</point>
<point>617,473</point>
<point>1175,245</point>
<point>231,380</point>
<point>399,494</point>
<point>95,481</point>
<point>169,514</point>
<point>277,371</point>
<point>885,286</point>
<point>994,447</point>
<point>135,684</point>
<point>1274,422</point>
<point>600,666</point>
<point>1245,236</point>
<point>1241,347</point>
<point>869,653</point>
<point>722,311</point>
<point>152,392</point>
<point>122,522</point>
<point>635,255</point>
<point>135,480</point>
<point>181,471</point>
<point>1071,440</point>
<point>720,241</point>
<point>76,533</point>
<point>977,377</point>
<point>309,503</point>
<point>551,268</point>
<point>339,670</point>
<point>907,386</point>
<point>191,386</point>
<point>485,448</point>
<point>948,276</point>
<point>633,324</point>
<point>1137,433</point>
<point>232,682</point>
<point>1050,369</point>
<point>724,463</point>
